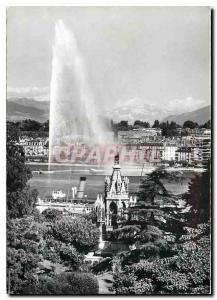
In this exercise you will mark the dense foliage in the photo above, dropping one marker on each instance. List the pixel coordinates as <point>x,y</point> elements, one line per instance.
<point>81,233</point>
<point>198,196</point>
<point>40,246</point>
<point>91,216</point>
<point>51,214</point>
<point>157,212</point>
<point>20,199</point>
<point>169,243</point>
<point>104,265</point>
<point>30,242</point>
<point>74,283</point>
<point>23,253</point>
<point>190,124</point>
<point>29,126</point>
<point>186,272</point>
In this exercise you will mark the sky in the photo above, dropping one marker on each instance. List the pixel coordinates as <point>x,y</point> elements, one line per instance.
<point>154,55</point>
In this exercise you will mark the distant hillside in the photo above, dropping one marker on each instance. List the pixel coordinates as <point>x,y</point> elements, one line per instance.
<point>200,116</point>
<point>27,108</point>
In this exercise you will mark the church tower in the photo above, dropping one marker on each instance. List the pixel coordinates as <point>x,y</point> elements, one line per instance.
<point>116,196</point>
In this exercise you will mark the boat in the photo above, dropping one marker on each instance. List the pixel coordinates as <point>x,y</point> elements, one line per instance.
<point>58,194</point>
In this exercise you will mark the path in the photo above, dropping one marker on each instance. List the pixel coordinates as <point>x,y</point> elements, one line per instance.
<point>105,282</point>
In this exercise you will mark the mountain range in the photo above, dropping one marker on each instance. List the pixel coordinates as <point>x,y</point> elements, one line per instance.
<point>200,116</point>
<point>28,108</point>
<point>137,109</point>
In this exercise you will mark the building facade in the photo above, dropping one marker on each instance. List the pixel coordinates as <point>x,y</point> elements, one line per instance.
<point>35,147</point>
<point>168,152</point>
<point>184,155</point>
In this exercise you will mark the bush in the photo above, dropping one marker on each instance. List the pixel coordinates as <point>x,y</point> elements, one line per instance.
<point>51,214</point>
<point>92,216</point>
<point>69,256</point>
<point>103,266</point>
<point>79,284</point>
<point>45,286</point>
<point>65,284</point>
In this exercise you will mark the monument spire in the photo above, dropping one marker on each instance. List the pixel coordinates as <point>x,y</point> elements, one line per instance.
<point>116,159</point>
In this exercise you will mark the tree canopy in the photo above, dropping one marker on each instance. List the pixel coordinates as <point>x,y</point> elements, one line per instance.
<point>199,196</point>
<point>185,272</point>
<point>20,199</point>
<point>190,124</point>
<point>81,233</point>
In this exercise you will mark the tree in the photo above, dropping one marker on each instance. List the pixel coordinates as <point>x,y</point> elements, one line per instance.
<point>169,129</point>
<point>156,124</point>
<point>156,206</point>
<point>157,211</point>
<point>21,270</point>
<point>17,172</point>
<point>45,285</point>
<point>206,125</point>
<point>45,126</point>
<point>152,186</point>
<point>185,272</point>
<point>80,233</point>
<point>21,203</point>
<point>141,124</point>
<point>190,124</point>
<point>30,243</point>
<point>122,125</point>
<point>173,125</point>
<point>127,233</point>
<point>165,129</point>
<point>23,253</point>
<point>72,283</point>
<point>167,257</point>
<point>198,196</point>
<point>69,256</point>
<point>20,200</point>
<point>31,125</point>
<point>91,216</point>
<point>103,265</point>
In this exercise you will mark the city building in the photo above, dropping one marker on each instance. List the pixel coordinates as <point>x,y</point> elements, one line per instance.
<point>196,155</point>
<point>136,147</point>
<point>35,147</point>
<point>168,152</point>
<point>184,155</point>
<point>137,136</point>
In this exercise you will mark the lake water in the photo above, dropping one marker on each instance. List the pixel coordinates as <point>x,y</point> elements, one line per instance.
<point>65,180</point>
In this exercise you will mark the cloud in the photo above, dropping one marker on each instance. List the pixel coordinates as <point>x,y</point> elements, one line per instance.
<point>140,109</point>
<point>173,106</point>
<point>185,105</point>
<point>38,93</point>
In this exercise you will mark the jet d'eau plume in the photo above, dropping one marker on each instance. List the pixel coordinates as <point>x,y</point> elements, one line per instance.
<point>73,111</point>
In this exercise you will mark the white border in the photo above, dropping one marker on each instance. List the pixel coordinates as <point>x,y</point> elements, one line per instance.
<point>110,3</point>
<point>3,5</point>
